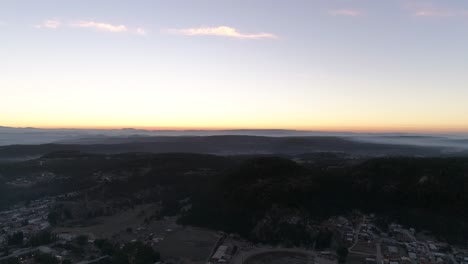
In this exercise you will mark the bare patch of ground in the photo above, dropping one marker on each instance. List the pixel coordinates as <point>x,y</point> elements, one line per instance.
<point>193,245</point>
<point>108,226</point>
<point>172,241</point>
<point>278,258</point>
<point>354,258</point>
<point>365,247</point>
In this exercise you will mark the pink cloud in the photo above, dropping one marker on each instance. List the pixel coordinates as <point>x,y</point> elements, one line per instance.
<point>51,23</point>
<point>101,26</point>
<point>435,12</point>
<point>420,8</point>
<point>221,31</point>
<point>141,31</point>
<point>346,12</point>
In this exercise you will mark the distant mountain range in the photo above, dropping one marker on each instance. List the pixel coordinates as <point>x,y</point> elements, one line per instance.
<point>36,136</point>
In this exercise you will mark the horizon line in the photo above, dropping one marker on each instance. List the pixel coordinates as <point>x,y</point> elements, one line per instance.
<point>182,129</point>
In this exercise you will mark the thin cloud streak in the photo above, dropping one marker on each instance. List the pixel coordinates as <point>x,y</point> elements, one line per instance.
<point>428,9</point>
<point>50,23</point>
<point>90,24</point>
<point>434,12</point>
<point>101,26</point>
<point>346,12</point>
<point>141,31</point>
<point>221,31</point>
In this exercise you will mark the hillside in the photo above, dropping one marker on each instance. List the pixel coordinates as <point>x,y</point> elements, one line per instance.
<point>223,145</point>
<point>255,196</point>
<point>421,192</point>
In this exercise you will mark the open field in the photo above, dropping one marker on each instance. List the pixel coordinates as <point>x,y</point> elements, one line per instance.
<point>189,244</point>
<point>354,258</point>
<point>192,245</point>
<point>365,247</point>
<point>108,226</point>
<point>279,258</point>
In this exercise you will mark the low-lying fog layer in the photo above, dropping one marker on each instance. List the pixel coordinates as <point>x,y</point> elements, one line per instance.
<point>12,136</point>
<point>453,141</point>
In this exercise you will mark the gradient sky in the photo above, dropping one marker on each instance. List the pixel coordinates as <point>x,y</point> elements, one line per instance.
<point>361,65</point>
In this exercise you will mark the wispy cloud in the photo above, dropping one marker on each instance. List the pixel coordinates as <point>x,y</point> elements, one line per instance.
<point>346,12</point>
<point>141,31</point>
<point>91,24</point>
<point>439,12</point>
<point>428,9</point>
<point>100,26</point>
<point>50,23</point>
<point>221,31</point>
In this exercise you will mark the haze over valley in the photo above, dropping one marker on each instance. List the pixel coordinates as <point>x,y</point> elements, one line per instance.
<point>233,132</point>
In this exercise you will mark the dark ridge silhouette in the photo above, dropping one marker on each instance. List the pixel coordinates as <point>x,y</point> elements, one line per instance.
<point>223,145</point>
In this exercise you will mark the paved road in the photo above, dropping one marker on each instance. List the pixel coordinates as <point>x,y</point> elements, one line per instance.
<point>356,236</point>
<point>378,256</point>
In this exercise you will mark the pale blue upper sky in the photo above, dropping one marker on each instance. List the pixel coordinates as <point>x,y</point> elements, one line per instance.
<point>316,64</point>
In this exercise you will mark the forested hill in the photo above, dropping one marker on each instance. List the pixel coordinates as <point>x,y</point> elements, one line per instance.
<point>426,193</point>
<point>225,145</point>
<point>257,196</point>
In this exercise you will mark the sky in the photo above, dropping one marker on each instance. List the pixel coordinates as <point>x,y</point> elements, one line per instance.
<point>330,65</point>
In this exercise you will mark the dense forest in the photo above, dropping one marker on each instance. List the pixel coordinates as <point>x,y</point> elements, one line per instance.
<point>426,193</point>
<point>257,196</point>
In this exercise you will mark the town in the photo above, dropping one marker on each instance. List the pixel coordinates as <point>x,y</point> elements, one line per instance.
<point>27,236</point>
